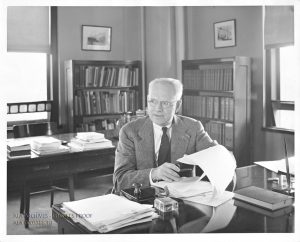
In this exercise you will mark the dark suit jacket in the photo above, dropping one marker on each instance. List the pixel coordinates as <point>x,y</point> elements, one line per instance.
<point>135,155</point>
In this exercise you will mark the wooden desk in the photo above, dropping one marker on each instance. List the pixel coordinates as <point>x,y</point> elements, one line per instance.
<point>197,218</point>
<point>40,168</point>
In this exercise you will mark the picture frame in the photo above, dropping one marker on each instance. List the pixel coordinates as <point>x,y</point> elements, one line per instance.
<point>96,38</point>
<point>225,33</point>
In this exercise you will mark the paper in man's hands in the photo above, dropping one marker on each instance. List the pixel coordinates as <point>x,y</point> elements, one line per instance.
<point>217,163</point>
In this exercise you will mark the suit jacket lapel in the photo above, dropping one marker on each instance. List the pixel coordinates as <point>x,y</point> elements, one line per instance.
<point>179,139</point>
<point>146,142</point>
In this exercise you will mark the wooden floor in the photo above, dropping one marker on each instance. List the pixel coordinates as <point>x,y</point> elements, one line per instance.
<point>40,211</point>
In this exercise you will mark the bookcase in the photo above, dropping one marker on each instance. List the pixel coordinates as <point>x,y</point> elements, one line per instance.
<point>100,92</point>
<point>217,92</point>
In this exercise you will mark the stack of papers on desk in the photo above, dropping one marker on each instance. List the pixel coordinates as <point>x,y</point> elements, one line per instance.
<point>48,146</point>
<point>107,213</point>
<point>89,141</point>
<point>90,136</point>
<point>45,143</point>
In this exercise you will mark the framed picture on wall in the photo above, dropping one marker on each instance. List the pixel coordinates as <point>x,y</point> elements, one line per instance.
<point>96,38</point>
<point>225,34</point>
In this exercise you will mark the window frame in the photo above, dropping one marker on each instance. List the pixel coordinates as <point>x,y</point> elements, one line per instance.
<point>272,99</point>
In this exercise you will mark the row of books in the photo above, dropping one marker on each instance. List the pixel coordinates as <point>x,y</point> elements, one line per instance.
<point>98,102</point>
<point>221,132</point>
<point>97,125</point>
<point>209,107</point>
<point>209,77</point>
<point>106,76</point>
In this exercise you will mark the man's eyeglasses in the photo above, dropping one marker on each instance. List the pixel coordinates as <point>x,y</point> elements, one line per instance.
<point>164,104</point>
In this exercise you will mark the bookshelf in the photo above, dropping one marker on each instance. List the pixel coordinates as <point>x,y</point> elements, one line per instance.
<point>100,92</point>
<point>217,92</point>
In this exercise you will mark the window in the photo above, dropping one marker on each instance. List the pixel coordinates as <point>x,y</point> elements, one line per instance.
<point>281,82</point>
<point>31,59</point>
<point>26,81</point>
<point>280,68</point>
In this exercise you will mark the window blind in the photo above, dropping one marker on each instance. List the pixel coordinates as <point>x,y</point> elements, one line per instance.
<point>28,29</point>
<point>279,26</point>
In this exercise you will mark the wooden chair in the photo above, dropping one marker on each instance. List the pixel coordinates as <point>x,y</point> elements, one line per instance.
<point>38,129</point>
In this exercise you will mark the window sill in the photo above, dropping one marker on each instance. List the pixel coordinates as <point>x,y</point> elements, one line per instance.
<point>278,130</point>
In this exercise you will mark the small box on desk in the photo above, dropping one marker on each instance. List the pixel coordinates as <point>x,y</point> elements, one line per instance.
<point>166,207</point>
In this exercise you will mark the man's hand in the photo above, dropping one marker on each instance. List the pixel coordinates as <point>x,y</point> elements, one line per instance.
<point>166,171</point>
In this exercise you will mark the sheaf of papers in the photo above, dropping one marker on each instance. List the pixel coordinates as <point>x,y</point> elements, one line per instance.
<point>45,143</point>
<point>90,136</point>
<point>194,190</point>
<point>187,187</point>
<point>108,212</point>
<point>217,163</point>
<point>278,165</point>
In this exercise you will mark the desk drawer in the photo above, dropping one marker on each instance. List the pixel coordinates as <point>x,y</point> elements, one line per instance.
<point>80,164</point>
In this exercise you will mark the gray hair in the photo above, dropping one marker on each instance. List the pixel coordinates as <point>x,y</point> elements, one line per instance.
<point>176,84</point>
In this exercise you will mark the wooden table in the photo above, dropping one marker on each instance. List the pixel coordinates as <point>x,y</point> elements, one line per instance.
<point>40,168</point>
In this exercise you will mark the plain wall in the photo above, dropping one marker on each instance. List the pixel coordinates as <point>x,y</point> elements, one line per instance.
<point>160,43</point>
<point>125,45</point>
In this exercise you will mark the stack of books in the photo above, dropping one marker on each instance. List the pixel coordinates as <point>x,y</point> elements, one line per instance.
<point>263,198</point>
<point>108,212</point>
<point>18,149</point>
<point>89,141</point>
<point>48,146</point>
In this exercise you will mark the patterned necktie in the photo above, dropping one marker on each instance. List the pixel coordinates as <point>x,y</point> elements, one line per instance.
<point>164,149</point>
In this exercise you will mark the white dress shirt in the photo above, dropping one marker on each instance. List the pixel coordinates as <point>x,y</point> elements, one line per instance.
<point>157,131</point>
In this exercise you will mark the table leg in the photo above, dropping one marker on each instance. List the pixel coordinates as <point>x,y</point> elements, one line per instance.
<point>71,187</point>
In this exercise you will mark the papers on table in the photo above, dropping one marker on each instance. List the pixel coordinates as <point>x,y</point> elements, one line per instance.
<point>278,165</point>
<point>90,136</point>
<point>89,141</point>
<point>186,187</point>
<point>60,150</point>
<point>194,190</point>
<point>217,163</point>
<point>48,146</point>
<point>108,212</point>
<point>45,143</point>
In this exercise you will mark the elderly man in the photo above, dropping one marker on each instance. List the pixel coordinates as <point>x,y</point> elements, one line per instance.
<point>149,147</point>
